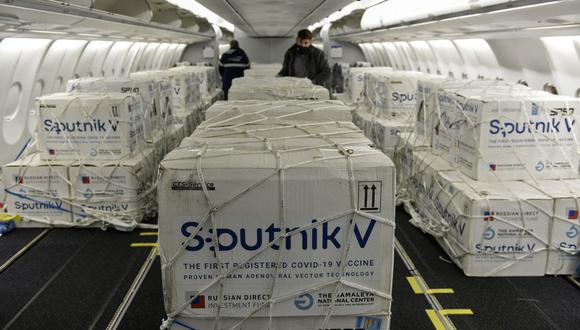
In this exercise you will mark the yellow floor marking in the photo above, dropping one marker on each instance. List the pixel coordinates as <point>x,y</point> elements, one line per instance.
<point>437,321</point>
<point>149,233</point>
<point>144,245</point>
<point>456,312</point>
<point>417,288</point>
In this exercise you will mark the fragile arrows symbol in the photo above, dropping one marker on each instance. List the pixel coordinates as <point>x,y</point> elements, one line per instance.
<point>373,188</point>
<point>366,189</point>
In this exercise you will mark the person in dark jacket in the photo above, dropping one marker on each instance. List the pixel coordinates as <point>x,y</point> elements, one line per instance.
<point>306,61</point>
<point>232,65</point>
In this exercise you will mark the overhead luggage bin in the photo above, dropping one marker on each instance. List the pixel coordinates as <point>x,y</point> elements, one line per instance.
<point>103,20</point>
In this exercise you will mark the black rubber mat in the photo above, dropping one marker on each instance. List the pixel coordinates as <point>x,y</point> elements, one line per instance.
<point>408,309</point>
<point>14,241</point>
<point>147,310</point>
<point>72,279</point>
<point>497,302</point>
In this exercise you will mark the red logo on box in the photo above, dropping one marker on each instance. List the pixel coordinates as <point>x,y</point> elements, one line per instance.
<point>198,302</point>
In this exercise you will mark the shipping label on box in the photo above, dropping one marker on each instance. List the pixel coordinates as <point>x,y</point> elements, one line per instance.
<point>88,126</point>
<point>38,189</point>
<point>261,262</point>
<point>495,230</point>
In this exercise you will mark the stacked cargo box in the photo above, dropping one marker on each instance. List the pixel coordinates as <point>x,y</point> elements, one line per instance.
<point>91,166</point>
<point>259,70</point>
<point>276,89</point>
<point>355,81</point>
<point>96,150</point>
<point>277,214</point>
<point>388,105</point>
<point>494,176</point>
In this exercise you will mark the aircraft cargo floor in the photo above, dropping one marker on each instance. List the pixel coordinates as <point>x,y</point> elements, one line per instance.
<point>80,279</point>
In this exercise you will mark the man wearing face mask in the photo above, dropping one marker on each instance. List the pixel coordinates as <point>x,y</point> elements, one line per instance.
<point>303,60</point>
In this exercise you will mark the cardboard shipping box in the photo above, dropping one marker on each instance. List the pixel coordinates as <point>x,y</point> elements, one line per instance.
<point>88,126</point>
<point>291,251</point>
<point>563,257</point>
<point>38,189</point>
<point>513,137</point>
<point>144,90</point>
<point>120,189</point>
<point>235,112</point>
<point>494,229</point>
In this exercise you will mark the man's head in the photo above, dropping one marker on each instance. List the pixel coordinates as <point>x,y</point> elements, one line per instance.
<point>234,44</point>
<point>304,38</point>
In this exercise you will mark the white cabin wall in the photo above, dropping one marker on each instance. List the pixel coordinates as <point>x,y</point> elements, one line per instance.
<point>21,59</point>
<point>57,67</point>
<point>113,65</point>
<point>33,67</point>
<point>537,61</point>
<point>93,58</point>
<point>564,57</point>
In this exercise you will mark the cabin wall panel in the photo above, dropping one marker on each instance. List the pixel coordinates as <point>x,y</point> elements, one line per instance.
<point>21,59</point>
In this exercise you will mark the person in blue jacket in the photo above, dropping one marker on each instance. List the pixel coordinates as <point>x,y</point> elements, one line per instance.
<point>232,65</point>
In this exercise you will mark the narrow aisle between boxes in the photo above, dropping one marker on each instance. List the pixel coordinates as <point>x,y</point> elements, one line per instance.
<point>70,279</point>
<point>497,302</point>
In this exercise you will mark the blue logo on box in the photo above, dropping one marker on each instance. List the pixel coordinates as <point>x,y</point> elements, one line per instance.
<point>489,234</point>
<point>573,232</point>
<point>304,302</point>
<point>88,193</point>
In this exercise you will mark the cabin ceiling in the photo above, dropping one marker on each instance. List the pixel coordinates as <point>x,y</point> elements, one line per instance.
<point>273,18</point>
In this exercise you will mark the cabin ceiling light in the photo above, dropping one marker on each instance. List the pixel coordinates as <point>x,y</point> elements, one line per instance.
<point>89,35</point>
<point>524,7</point>
<point>460,17</point>
<point>199,10</point>
<point>48,32</point>
<point>551,27</point>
